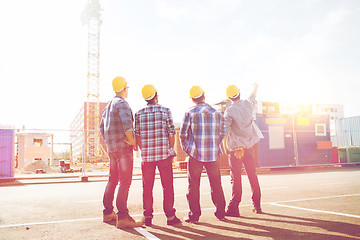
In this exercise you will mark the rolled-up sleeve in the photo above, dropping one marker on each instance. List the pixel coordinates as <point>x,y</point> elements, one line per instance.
<point>170,124</point>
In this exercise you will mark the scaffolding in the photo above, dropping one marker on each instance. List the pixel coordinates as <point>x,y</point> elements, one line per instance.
<point>92,18</point>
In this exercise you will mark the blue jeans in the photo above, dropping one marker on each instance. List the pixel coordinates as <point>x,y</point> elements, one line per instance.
<point>193,196</point>
<point>166,176</point>
<point>248,160</point>
<point>121,167</point>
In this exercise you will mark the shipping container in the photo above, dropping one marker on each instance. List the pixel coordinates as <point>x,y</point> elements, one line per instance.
<point>6,153</point>
<point>293,140</point>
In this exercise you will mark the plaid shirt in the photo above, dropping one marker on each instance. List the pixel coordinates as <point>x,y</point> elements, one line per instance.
<point>154,125</point>
<point>202,132</point>
<point>117,118</point>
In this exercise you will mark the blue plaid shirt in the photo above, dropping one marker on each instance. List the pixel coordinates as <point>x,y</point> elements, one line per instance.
<point>117,118</point>
<point>154,125</point>
<point>202,132</point>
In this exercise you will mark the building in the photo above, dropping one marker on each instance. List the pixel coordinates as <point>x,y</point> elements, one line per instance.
<point>77,131</point>
<point>32,147</point>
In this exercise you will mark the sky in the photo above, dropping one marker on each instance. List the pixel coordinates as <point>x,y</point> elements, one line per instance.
<point>297,51</point>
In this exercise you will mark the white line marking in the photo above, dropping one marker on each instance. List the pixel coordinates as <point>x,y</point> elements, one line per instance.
<point>335,183</point>
<point>146,234</point>
<point>50,222</point>
<point>318,198</point>
<point>89,201</point>
<point>313,210</point>
<point>272,188</point>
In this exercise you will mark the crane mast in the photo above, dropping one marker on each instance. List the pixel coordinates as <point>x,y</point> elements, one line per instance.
<point>92,18</point>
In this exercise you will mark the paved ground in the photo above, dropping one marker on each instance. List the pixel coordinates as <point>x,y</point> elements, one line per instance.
<point>298,204</point>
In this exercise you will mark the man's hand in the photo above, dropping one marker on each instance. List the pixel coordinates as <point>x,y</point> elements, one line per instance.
<point>130,139</point>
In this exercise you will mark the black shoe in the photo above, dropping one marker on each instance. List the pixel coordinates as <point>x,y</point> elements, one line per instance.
<point>257,209</point>
<point>222,218</point>
<point>232,213</point>
<point>148,221</point>
<point>173,221</point>
<point>191,220</point>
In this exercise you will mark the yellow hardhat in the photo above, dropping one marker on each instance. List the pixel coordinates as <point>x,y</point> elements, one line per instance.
<point>196,92</point>
<point>148,92</point>
<point>119,83</point>
<point>232,91</point>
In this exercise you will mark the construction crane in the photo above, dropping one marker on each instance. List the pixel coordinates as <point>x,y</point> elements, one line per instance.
<point>91,16</point>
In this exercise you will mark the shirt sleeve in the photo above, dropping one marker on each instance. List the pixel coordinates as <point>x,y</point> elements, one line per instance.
<point>184,129</point>
<point>222,127</point>
<point>126,117</point>
<point>170,124</point>
<point>252,100</point>
<point>137,125</point>
<point>228,122</point>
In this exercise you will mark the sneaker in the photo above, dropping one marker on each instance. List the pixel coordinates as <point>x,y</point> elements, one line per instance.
<point>232,213</point>
<point>148,221</point>
<point>107,218</point>
<point>173,221</point>
<point>191,220</point>
<point>257,209</point>
<point>128,223</point>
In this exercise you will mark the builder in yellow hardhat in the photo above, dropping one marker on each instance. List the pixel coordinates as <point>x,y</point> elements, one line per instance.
<point>201,135</point>
<point>242,134</point>
<point>116,127</point>
<point>155,135</point>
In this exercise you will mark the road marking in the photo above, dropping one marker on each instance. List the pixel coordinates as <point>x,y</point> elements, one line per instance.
<point>318,198</point>
<point>314,210</point>
<point>146,234</point>
<point>335,183</point>
<point>272,188</point>
<point>88,201</point>
<point>50,222</point>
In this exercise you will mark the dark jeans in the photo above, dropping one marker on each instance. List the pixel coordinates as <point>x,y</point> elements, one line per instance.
<point>121,167</point>
<point>248,160</point>
<point>193,196</point>
<point>166,176</point>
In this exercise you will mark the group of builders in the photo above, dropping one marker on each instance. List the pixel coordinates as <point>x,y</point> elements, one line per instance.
<point>205,134</point>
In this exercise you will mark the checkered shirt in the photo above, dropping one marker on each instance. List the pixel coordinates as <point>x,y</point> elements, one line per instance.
<point>202,132</point>
<point>117,118</point>
<point>154,125</point>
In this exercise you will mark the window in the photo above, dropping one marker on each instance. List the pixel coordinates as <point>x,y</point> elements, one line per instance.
<point>38,142</point>
<point>320,129</point>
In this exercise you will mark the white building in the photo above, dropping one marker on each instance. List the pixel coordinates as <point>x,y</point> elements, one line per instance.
<point>34,147</point>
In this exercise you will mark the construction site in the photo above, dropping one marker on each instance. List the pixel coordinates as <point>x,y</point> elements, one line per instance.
<point>295,134</point>
<point>52,179</point>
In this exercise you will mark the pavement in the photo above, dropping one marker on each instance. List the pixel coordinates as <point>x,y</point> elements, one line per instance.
<point>311,203</point>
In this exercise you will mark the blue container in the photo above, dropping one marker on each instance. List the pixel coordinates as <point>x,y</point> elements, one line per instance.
<point>6,153</point>
<point>276,149</point>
